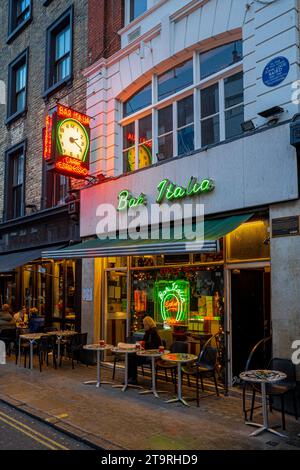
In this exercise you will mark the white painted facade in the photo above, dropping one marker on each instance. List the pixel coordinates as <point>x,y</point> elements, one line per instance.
<point>171,30</point>
<point>255,170</point>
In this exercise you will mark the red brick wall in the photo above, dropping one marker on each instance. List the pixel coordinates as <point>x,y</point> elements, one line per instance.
<point>106,18</point>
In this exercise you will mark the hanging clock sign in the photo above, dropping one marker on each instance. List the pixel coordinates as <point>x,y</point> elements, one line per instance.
<point>67,142</point>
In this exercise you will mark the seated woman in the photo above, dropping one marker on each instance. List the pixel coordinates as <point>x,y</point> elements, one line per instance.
<point>151,340</point>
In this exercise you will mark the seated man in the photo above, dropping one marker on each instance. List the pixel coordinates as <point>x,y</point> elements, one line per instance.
<point>151,340</point>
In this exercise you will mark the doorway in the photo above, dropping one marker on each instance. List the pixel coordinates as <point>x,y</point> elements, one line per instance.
<point>250,301</point>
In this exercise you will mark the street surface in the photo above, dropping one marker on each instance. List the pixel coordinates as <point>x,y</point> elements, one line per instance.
<point>19,431</point>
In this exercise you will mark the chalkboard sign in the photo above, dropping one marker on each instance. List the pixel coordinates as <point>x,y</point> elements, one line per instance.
<point>285,226</point>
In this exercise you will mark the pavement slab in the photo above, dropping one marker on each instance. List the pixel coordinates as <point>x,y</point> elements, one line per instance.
<point>111,419</point>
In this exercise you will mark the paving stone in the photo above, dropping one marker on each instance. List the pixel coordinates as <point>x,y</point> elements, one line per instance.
<point>112,419</point>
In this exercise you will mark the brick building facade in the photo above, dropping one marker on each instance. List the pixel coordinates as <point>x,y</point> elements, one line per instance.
<point>45,46</point>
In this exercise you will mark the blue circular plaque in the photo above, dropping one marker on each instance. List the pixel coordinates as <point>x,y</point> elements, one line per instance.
<point>276,71</point>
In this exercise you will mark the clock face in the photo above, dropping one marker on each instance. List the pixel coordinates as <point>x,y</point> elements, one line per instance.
<point>144,157</point>
<point>73,139</point>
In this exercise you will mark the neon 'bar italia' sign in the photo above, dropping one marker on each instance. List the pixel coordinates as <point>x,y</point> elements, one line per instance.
<point>167,191</point>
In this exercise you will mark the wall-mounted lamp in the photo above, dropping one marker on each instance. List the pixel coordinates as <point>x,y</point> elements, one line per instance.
<point>248,126</point>
<point>272,114</point>
<point>143,45</point>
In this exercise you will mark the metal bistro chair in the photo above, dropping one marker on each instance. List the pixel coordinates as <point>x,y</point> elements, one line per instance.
<point>205,366</point>
<point>252,362</point>
<point>46,346</point>
<point>8,336</point>
<point>76,347</point>
<point>280,389</point>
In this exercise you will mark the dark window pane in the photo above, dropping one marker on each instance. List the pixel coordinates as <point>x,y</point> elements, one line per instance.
<point>234,93</point>
<point>137,8</point>
<point>62,43</point>
<point>210,100</point>
<point>17,209</point>
<point>210,131</point>
<point>165,120</point>
<point>21,77</point>
<point>140,100</point>
<point>20,101</point>
<point>145,129</point>
<point>233,119</point>
<point>128,135</point>
<point>62,69</point>
<point>186,140</point>
<point>165,147</point>
<point>218,59</point>
<point>22,11</point>
<point>185,110</point>
<point>175,79</point>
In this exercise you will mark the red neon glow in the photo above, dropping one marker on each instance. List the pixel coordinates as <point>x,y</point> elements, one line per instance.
<point>64,112</point>
<point>72,166</point>
<point>48,138</point>
<point>142,140</point>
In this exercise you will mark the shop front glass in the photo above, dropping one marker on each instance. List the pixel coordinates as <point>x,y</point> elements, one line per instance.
<point>187,302</point>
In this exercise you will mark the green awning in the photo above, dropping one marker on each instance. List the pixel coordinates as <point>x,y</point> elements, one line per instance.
<point>214,229</point>
<point>218,228</point>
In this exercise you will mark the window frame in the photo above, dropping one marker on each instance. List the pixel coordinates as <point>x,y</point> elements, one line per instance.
<point>50,188</point>
<point>195,89</point>
<point>14,31</point>
<point>128,19</point>
<point>11,89</point>
<point>52,31</point>
<point>7,208</point>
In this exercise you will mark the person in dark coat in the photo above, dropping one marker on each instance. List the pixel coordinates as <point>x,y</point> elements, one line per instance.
<point>6,319</point>
<point>151,340</point>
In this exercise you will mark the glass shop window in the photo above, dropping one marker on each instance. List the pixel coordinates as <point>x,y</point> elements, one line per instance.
<point>185,122</point>
<point>234,108</point>
<point>116,306</point>
<point>220,58</point>
<point>165,133</point>
<point>175,79</point>
<point>139,100</point>
<point>210,117</point>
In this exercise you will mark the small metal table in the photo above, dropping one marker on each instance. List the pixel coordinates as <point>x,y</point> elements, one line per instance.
<point>99,349</point>
<point>179,358</point>
<point>263,377</point>
<point>59,335</point>
<point>32,338</point>
<point>153,354</point>
<point>126,352</point>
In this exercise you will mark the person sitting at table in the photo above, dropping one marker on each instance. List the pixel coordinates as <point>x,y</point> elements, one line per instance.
<point>6,319</point>
<point>151,340</point>
<point>21,317</point>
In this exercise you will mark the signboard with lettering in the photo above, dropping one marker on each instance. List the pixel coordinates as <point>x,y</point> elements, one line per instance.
<point>276,71</point>
<point>285,226</point>
<point>67,142</point>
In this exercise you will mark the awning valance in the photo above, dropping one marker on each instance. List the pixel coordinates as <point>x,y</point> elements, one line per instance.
<point>213,230</point>
<point>12,261</point>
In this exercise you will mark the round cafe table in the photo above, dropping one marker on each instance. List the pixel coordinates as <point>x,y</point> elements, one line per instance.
<point>263,377</point>
<point>153,354</point>
<point>126,352</point>
<point>99,349</point>
<point>179,358</point>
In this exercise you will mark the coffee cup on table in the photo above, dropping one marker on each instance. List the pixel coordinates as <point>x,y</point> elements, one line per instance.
<point>161,349</point>
<point>102,342</point>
